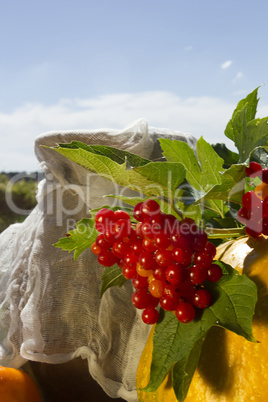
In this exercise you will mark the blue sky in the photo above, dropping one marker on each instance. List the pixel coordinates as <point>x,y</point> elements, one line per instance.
<point>94,64</point>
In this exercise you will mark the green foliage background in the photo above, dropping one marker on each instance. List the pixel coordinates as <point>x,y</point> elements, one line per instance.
<point>23,194</point>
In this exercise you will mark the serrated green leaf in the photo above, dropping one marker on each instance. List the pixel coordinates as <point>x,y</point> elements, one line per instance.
<point>79,239</point>
<point>244,130</point>
<point>119,173</point>
<point>235,305</point>
<point>251,103</point>
<point>178,372</point>
<point>181,152</point>
<point>167,174</point>
<point>116,155</point>
<point>174,344</point>
<point>231,187</point>
<point>249,135</point>
<point>112,276</point>
<point>202,173</point>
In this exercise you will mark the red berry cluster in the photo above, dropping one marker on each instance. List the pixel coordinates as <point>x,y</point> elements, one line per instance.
<point>167,260</point>
<point>254,211</point>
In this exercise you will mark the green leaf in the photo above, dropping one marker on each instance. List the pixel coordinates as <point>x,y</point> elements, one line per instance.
<point>179,371</point>
<point>116,155</point>
<point>132,178</point>
<point>167,174</point>
<point>112,276</point>
<point>229,157</point>
<point>80,238</point>
<point>244,130</point>
<point>181,152</point>
<point>235,305</point>
<point>202,171</point>
<point>251,103</point>
<point>179,345</point>
<point>231,187</point>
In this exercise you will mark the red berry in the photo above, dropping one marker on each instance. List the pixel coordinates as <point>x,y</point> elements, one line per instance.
<point>185,312</point>
<point>122,228</point>
<point>146,230</point>
<point>150,208</point>
<point>162,240</point>
<point>265,207</point>
<point>163,257</point>
<point>243,215</point>
<point>187,290</point>
<point>254,169</point>
<point>102,243</point>
<point>168,303</point>
<point>146,260</point>
<point>214,273</point>
<point>202,298</point>
<point>197,274</point>
<point>107,258</point>
<point>140,282</point>
<point>172,292</point>
<point>180,241</point>
<point>132,237</point>
<point>187,227</point>
<point>120,214</point>
<point>182,255</point>
<point>131,259</point>
<point>120,249</point>
<point>137,212</point>
<point>129,272</point>
<point>210,248</point>
<point>103,218</point>
<point>175,273</point>
<point>265,175</point>
<point>137,246</point>
<point>171,224</point>
<point>199,240</point>
<point>141,298</point>
<point>205,257</point>
<point>149,245</point>
<point>265,225</point>
<point>109,232</point>
<point>250,200</point>
<point>159,219</point>
<point>159,273</point>
<point>150,316</point>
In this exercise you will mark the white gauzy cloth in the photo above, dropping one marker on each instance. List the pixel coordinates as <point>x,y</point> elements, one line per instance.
<point>50,305</point>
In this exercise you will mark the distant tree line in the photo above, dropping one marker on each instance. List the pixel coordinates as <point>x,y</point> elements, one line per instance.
<point>17,193</point>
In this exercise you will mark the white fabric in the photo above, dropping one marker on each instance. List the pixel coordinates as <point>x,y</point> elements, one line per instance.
<point>50,306</point>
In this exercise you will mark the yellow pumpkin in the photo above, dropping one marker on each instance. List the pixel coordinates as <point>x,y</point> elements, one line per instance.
<point>230,368</point>
<point>17,386</point>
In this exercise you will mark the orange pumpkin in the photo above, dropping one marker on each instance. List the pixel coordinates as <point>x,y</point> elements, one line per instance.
<point>230,368</point>
<point>17,386</point>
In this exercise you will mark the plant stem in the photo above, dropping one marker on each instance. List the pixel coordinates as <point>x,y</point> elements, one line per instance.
<point>218,233</point>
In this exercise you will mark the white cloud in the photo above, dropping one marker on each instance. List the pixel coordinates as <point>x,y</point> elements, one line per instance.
<point>200,116</point>
<point>226,64</point>
<point>238,77</point>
